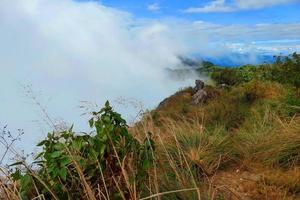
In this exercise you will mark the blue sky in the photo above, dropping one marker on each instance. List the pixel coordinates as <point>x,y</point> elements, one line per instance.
<point>226,13</point>
<point>71,51</point>
<point>283,12</point>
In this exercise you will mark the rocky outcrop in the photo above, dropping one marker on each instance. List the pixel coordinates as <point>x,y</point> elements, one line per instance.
<point>199,93</point>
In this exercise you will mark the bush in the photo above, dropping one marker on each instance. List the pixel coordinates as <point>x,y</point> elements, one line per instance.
<point>285,70</point>
<point>226,76</point>
<point>293,104</point>
<point>71,165</point>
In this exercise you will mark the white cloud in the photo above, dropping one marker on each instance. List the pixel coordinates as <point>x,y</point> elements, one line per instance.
<point>75,51</point>
<point>153,7</point>
<point>214,6</point>
<point>256,4</point>
<point>236,5</point>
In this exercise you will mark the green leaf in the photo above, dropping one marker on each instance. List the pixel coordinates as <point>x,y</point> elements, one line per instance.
<point>71,128</point>
<point>23,195</point>
<point>39,162</point>
<point>55,154</point>
<point>17,163</point>
<point>51,169</point>
<point>106,119</point>
<point>63,174</point>
<point>49,135</point>
<point>58,146</point>
<point>16,175</point>
<point>25,180</point>
<point>146,164</point>
<point>65,161</point>
<point>55,172</point>
<point>42,143</point>
<point>77,144</point>
<point>39,155</point>
<point>91,122</point>
<point>107,104</point>
<point>102,150</point>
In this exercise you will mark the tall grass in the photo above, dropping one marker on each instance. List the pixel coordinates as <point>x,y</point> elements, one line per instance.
<point>189,159</point>
<point>239,144</point>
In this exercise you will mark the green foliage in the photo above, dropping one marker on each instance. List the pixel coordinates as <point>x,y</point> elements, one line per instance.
<point>67,158</point>
<point>285,70</point>
<point>292,103</point>
<point>228,76</point>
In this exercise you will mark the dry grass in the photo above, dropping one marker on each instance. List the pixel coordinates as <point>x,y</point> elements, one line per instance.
<point>230,147</point>
<point>194,163</point>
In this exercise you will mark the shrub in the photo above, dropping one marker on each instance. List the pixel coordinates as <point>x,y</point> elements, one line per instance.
<point>292,104</point>
<point>285,70</point>
<point>226,76</point>
<point>71,165</point>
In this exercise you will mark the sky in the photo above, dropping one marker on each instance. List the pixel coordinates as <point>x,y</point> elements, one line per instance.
<point>217,11</point>
<point>71,51</point>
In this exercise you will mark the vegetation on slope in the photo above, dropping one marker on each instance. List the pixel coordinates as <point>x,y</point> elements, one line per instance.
<point>243,142</point>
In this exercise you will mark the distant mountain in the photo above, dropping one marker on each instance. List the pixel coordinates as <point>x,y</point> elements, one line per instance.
<point>190,67</point>
<point>229,60</point>
<point>189,61</point>
<point>194,62</point>
<point>236,59</point>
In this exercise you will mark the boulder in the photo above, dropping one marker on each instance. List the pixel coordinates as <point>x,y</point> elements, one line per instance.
<point>199,86</point>
<point>199,93</point>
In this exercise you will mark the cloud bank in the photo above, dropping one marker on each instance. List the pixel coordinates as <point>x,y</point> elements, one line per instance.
<point>73,51</point>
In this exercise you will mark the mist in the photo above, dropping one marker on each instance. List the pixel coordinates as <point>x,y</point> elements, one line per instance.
<point>73,51</point>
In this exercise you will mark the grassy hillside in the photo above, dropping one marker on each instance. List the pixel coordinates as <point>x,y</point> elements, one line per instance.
<point>242,142</point>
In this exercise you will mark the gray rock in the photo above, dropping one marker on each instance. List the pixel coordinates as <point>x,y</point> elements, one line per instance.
<point>199,97</point>
<point>199,86</point>
<point>199,93</point>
